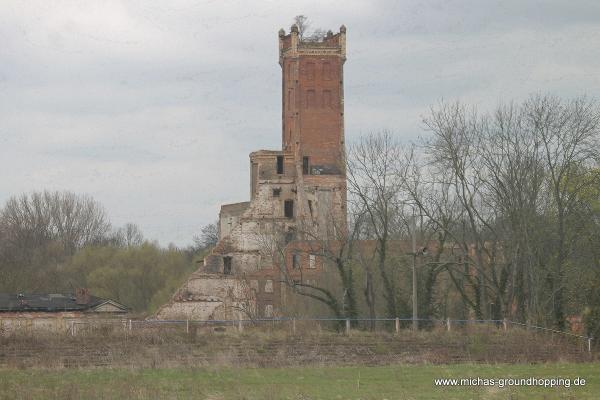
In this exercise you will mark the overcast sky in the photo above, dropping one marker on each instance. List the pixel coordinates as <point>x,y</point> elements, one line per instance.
<point>152,107</point>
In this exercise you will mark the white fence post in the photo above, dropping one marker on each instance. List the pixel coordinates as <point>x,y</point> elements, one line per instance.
<point>505,324</point>
<point>187,326</point>
<point>448,324</point>
<point>397,325</point>
<point>347,326</point>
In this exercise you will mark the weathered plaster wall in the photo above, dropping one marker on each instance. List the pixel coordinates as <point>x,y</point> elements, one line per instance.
<point>58,322</point>
<point>210,297</point>
<point>229,217</point>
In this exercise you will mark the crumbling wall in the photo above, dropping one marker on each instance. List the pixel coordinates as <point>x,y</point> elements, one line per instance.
<point>56,322</point>
<point>210,297</point>
<point>242,256</point>
<point>229,217</point>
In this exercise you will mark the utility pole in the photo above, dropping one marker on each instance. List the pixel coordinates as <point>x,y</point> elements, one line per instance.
<point>415,322</point>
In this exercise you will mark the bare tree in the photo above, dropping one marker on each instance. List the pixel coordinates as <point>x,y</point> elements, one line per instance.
<point>439,211</point>
<point>128,236</point>
<point>73,220</point>
<point>514,184</point>
<point>515,178</point>
<point>303,24</point>
<point>568,133</point>
<point>301,21</point>
<point>40,230</point>
<point>366,258</point>
<point>453,155</point>
<point>374,185</point>
<point>209,236</point>
<point>281,243</point>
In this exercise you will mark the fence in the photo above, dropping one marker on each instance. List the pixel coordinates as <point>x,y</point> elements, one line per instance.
<point>284,342</point>
<point>341,325</point>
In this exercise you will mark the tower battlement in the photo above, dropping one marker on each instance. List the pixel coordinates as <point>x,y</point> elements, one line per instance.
<point>292,45</point>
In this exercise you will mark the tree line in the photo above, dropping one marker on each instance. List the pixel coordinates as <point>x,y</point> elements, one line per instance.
<point>504,207</point>
<point>54,242</point>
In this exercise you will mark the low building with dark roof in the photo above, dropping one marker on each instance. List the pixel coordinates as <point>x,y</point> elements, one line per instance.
<point>55,311</point>
<point>55,302</point>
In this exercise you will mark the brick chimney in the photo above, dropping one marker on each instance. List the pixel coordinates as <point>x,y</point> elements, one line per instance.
<point>82,296</point>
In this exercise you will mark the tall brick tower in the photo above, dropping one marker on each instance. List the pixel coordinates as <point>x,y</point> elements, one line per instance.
<point>313,111</point>
<point>313,98</point>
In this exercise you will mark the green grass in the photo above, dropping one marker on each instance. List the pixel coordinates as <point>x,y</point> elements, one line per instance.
<point>389,382</point>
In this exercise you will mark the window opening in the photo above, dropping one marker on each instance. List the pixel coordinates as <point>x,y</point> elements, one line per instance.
<point>288,208</point>
<point>310,71</point>
<point>269,311</point>
<point>227,265</point>
<point>327,71</point>
<point>289,236</point>
<point>268,286</point>
<point>327,99</point>
<point>310,99</point>
<point>305,165</point>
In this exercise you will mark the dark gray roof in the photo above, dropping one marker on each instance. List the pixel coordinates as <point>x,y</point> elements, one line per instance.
<point>50,302</point>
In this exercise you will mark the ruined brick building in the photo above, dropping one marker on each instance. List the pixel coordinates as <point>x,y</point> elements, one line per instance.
<point>296,193</point>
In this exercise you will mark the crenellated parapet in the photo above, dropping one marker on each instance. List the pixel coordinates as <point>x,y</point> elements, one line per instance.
<point>291,45</point>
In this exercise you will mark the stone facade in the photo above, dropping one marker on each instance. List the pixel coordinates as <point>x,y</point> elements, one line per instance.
<point>297,193</point>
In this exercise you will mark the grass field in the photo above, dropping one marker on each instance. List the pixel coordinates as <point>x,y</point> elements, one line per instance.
<point>382,382</point>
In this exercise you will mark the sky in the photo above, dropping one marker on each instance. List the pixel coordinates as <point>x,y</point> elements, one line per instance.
<point>152,107</point>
